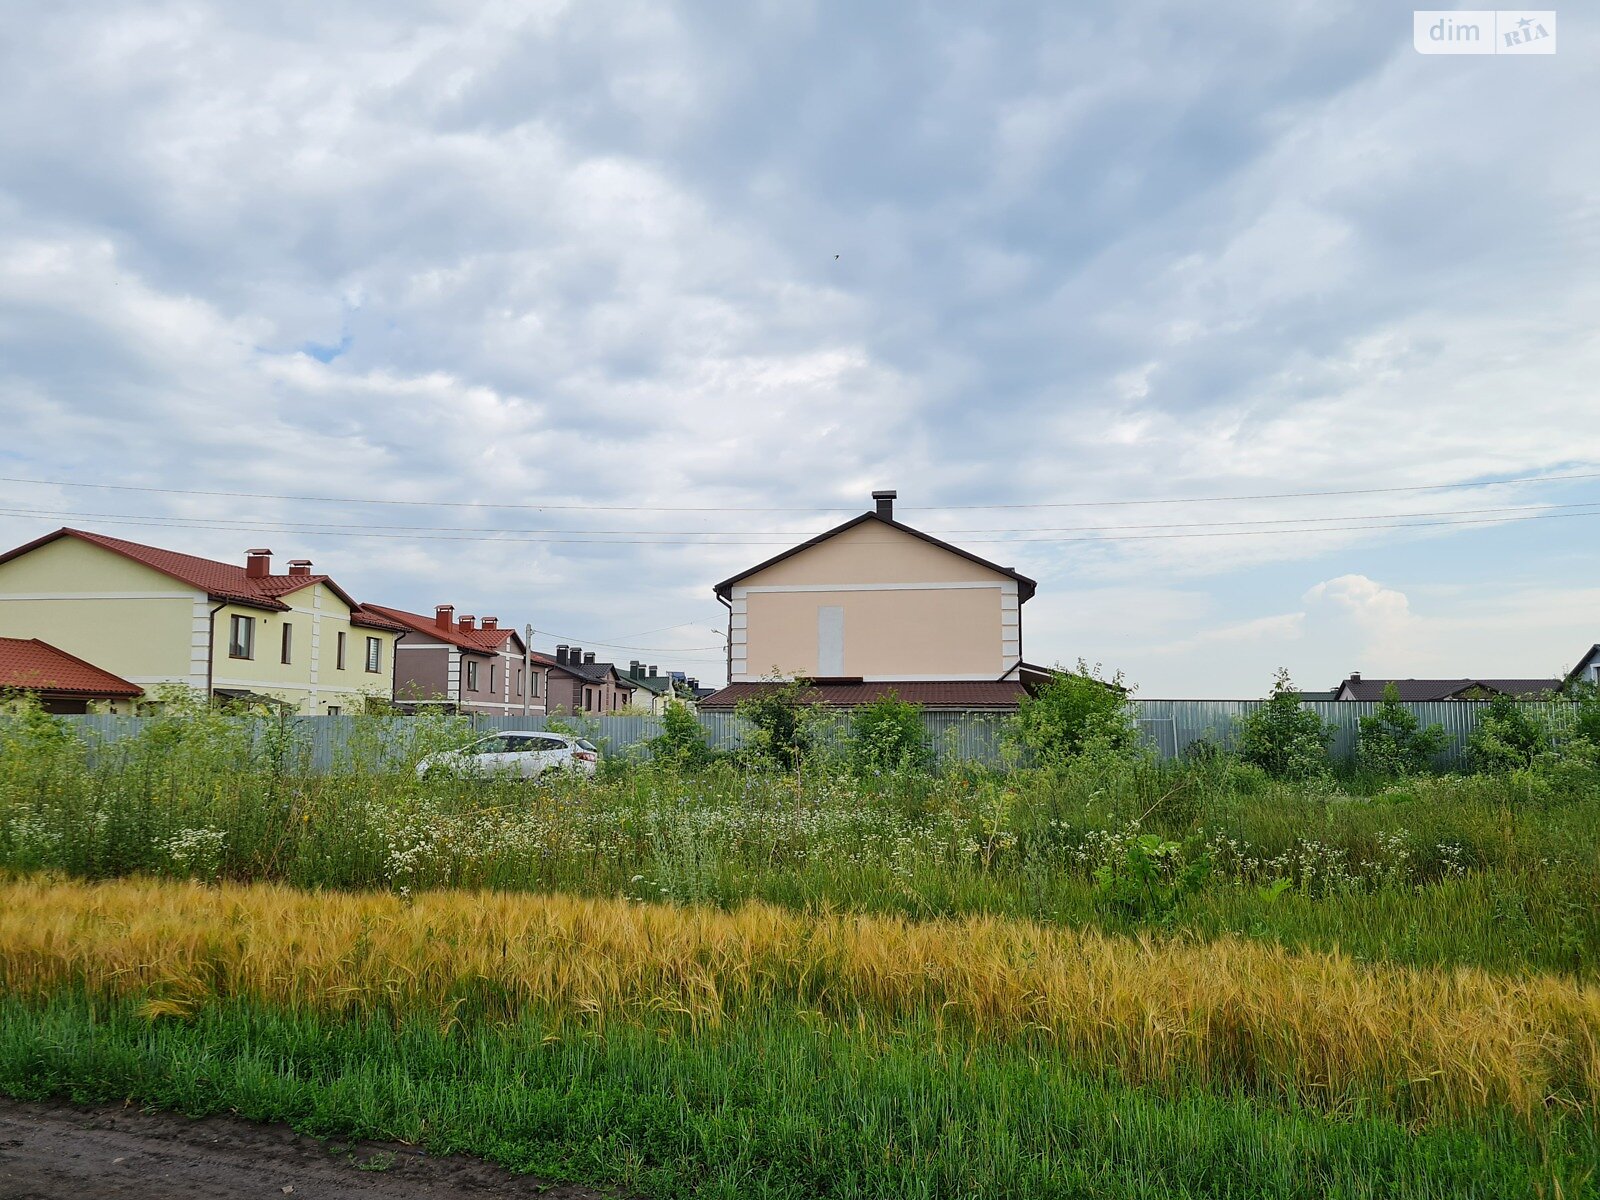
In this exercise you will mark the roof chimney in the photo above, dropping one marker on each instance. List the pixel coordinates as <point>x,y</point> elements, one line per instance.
<point>652,671</point>
<point>588,657</point>
<point>633,667</point>
<point>444,615</point>
<point>257,564</point>
<point>491,622</point>
<point>561,654</point>
<point>467,623</point>
<point>885,503</point>
<point>1355,676</point>
<point>299,566</point>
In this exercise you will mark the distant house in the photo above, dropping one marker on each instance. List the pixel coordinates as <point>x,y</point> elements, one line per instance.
<point>652,690</point>
<point>62,682</point>
<point>233,631</point>
<point>579,684</point>
<point>1422,690</point>
<point>874,605</point>
<point>1587,670</point>
<point>460,664</point>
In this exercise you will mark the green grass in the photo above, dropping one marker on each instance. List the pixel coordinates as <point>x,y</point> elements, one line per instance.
<point>1491,871</point>
<point>763,1109</point>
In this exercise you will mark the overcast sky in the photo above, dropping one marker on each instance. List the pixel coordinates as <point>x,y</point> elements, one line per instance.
<point>620,259</point>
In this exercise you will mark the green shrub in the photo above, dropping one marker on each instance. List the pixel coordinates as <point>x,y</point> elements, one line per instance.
<point>1075,710</point>
<point>1393,741</point>
<point>889,735</point>
<point>682,740</point>
<point>1509,736</point>
<point>1283,738</point>
<point>783,720</point>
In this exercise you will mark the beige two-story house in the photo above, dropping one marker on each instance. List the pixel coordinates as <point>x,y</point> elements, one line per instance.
<point>233,631</point>
<point>874,605</point>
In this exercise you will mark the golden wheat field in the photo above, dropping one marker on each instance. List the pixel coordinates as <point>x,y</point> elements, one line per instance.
<point>1324,1028</point>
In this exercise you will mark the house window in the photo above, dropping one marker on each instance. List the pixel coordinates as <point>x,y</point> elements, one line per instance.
<point>374,655</point>
<point>241,637</point>
<point>491,679</point>
<point>288,643</point>
<point>519,681</point>
<point>333,710</point>
<point>472,676</point>
<point>533,686</point>
<point>341,650</point>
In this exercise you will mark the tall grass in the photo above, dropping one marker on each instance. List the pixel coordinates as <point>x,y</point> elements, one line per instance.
<point>1317,1030</point>
<point>1488,871</point>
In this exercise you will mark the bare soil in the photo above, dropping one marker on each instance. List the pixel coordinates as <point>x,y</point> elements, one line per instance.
<point>57,1151</point>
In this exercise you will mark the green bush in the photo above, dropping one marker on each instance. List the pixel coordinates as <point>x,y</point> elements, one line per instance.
<point>783,720</point>
<point>1393,741</point>
<point>682,740</point>
<point>889,735</point>
<point>1283,738</point>
<point>1075,710</point>
<point>1509,736</point>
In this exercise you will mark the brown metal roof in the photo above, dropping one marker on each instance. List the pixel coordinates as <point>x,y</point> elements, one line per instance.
<point>1025,586</point>
<point>953,693</point>
<point>29,665</point>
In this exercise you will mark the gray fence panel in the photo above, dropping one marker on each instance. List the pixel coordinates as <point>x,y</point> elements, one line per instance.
<point>1170,727</point>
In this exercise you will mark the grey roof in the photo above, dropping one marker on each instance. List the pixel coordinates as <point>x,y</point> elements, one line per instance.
<point>1421,690</point>
<point>1588,657</point>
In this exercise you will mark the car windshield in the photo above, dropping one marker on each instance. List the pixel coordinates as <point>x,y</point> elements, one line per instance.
<point>586,744</point>
<point>489,745</point>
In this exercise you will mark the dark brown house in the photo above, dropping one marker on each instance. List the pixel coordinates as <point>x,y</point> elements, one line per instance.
<point>579,684</point>
<point>460,664</point>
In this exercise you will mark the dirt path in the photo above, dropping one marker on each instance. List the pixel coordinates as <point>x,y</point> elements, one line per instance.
<point>59,1152</point>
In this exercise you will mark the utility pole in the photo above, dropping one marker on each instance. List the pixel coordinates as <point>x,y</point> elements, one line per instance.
<point>527,667</point>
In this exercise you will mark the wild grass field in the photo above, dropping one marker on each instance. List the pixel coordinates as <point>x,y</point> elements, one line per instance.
<point>1093,976</point>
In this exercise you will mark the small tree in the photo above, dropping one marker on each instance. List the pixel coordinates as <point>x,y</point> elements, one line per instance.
<point>1508,736</point>
<point>782,716</point>
<point>1074,709</point>
<point>889,734</point>
<point>682,740</point>
<point>1282,737</point>
<point>1393,741</point>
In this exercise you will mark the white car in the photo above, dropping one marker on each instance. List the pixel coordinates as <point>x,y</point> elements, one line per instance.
<point>526,754</point>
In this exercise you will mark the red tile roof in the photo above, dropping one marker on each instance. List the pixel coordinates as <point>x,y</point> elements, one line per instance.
<point>480,641</point>
<point>367,619</point>
<point>219,580</point>
<point>30,665</point>
<point>954,693</point>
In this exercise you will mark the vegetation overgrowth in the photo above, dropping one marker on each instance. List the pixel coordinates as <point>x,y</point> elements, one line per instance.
<point>1496,869</point>
<point>1252,954</point>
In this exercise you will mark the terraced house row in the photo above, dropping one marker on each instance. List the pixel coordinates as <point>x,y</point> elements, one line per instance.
<point>90,623</point>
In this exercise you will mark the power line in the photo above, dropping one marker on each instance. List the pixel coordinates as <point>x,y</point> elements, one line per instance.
<point>141,522</point>
<point>602,536</point>
<point>1426,487</point>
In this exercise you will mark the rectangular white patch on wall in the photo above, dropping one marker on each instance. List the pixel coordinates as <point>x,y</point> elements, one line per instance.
<point>830,639</point>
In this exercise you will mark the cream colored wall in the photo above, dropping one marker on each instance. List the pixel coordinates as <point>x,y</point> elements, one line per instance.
<point>910,611</point>
<point>872,552</point>
<point>115,613</point>
<point>311,680</point>
<point>947,633</point>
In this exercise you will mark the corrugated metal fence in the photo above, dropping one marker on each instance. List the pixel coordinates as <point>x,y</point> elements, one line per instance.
<point>1170,727</point>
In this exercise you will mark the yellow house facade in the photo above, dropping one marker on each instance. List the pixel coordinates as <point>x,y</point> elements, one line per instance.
<point>156,617</point>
